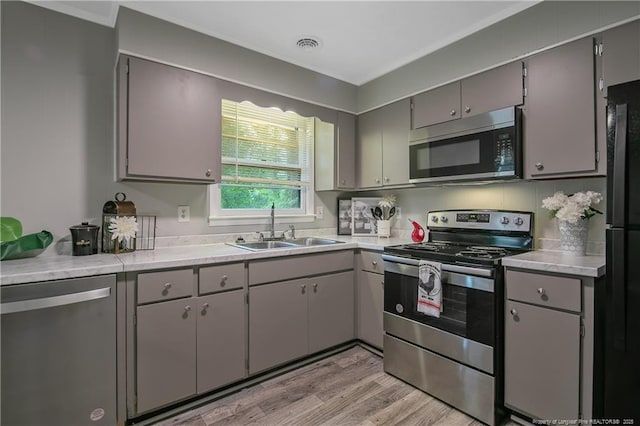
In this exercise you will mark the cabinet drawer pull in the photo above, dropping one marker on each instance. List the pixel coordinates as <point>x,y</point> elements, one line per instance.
<point>513,312</point>
<point>374,263</point>
<point>223,282</point>
<point>541,291</point>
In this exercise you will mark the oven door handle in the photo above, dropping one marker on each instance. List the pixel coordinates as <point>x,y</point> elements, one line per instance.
<point>445,266</point>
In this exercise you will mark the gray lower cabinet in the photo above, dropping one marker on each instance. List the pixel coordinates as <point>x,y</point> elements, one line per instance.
<point>370,307</point>
<point>221,339</point>
<point>548,345</point>
<point>291,319</point>
<point>166,357</point>
<point>168,123</point>
<point>542,361</point>
<point>559,113</point>
<point>331,305</point>
<point>370,298</point>
<point>277,323</point>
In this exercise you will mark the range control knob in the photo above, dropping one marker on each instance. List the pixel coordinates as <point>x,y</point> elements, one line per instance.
<point>434,219</point>
<point>518,221</point>
<point>444,219</point>
<point>504,220</point>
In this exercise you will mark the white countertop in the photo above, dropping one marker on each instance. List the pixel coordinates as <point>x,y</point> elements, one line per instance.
<point>559,262</point>
<point>47,268</point>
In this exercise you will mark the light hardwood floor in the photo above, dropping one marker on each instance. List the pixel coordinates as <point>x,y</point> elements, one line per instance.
<point>349,388</point>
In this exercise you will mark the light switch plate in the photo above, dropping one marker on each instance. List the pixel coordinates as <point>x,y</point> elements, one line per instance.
<point>184,214</point>
<point>319,212</point>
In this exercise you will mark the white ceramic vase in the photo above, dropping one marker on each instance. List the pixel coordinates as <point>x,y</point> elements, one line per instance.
<point>573,236</point>
<point>384,228</point>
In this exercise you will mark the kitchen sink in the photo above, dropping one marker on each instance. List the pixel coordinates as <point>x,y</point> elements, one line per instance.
<point>297,242</point>
<point>265,245</point>
<point>313,241</point>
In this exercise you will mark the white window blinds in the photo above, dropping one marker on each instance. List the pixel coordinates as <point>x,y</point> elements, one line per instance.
<point>266,146</point>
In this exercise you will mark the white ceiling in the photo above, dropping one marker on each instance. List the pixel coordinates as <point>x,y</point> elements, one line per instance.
<point>360,40</point>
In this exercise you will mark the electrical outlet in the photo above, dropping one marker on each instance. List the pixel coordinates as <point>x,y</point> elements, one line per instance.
<point>319,212</point>
<point>184,214</point>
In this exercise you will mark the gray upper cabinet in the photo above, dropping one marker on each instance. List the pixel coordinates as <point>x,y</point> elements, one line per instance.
<point>498,88</point>
<point>370,149</point>
<point>166,359</point>
<point>559,113</point>
<point>346,148</point>
<point>383,145</point>
<point>168,123</point>
<point>335,153</point>
<point>620,50</point>
<point>494,89</point>
<point>437,105</point>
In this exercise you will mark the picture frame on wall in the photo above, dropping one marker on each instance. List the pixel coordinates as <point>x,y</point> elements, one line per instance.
<point>363,222</point>
<point>344,216</point>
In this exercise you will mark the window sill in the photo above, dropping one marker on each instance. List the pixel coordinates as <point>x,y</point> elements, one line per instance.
<point>258,220</point>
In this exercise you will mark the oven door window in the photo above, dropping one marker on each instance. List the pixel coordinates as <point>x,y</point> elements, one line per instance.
<point>466,312</point>
<point>484,152</point>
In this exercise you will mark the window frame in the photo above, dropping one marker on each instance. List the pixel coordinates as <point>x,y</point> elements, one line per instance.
<point>225,217</point>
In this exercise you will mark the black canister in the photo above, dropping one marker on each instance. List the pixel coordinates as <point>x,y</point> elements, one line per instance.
<point>84,238</point>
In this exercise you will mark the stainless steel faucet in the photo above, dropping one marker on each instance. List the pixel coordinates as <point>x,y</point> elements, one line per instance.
<point>272,234</point>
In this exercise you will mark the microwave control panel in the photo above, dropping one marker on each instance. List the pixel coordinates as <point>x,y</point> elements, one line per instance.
<point>504,156</point>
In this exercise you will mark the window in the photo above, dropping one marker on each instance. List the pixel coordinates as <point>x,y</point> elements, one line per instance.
<point>267,157</point>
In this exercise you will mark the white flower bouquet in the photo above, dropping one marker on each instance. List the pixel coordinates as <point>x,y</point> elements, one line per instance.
<point>571,208</point>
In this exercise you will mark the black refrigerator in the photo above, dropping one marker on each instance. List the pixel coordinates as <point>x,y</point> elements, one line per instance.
<point>617,384</point>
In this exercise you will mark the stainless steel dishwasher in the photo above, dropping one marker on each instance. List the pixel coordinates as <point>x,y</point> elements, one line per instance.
<point>59,352</point>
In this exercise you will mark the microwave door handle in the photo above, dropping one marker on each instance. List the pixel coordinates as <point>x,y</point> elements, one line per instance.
<point>619,168</point>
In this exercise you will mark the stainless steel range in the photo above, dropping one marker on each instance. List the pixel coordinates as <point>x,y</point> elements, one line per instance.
<point>456,356</point>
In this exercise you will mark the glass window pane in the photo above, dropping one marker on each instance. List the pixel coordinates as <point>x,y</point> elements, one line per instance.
<point>252,196</point>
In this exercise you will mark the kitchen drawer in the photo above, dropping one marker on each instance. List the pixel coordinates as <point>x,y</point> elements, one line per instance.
<point>221,277</point>
<point>286,268</point>
<point>165,285</point>
<point>372,261</point>
<point>544,290</point>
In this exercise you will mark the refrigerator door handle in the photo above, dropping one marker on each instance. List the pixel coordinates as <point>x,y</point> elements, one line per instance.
<point>619,168</point>
<point>617,280</point>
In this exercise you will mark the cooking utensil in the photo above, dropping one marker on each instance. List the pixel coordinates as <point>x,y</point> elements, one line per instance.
<point>378,213</point>
<point>392,212</point>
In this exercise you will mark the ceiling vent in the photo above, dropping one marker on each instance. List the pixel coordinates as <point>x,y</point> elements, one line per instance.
<point>308,43</point>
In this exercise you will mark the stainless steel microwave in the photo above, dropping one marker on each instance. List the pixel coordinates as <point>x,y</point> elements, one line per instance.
<point>483,147</point>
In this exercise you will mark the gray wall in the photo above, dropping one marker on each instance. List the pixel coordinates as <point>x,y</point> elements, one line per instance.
<point>146,36</point>
<point>545,24</point>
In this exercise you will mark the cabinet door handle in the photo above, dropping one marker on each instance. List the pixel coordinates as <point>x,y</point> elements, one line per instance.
<point>452,112</point>
<point>541,291</point>
<point>315,287</point>
<point>386,179</point>
<point>208,173</point>
<point>223,282</point>
<point>382,283</point>
<point>374,263</point>
<point>167,285</point>
<point>539,166</point>
<point>187,308</point>
<point>304,288</point>
<point>513,312</point>
<point>377,180</point>
<point>467,109</point>
<point>205,306</point>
